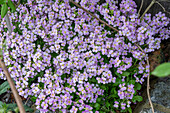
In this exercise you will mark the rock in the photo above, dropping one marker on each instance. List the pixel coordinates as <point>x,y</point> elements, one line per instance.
<point>160,96</point>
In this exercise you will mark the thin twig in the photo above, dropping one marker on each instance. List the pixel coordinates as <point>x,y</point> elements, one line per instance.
<point>12,85</point>
<point>163,0</point>
<point>148,87</point>
<point>148,83</point>
<point>93,15</point>
<point>150,5</point>
<point>162,7</point>
<point>140,8</point>
<point>27,100</point>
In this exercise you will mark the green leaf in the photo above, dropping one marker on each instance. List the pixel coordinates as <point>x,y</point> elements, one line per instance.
<point>103,87</point>
<point>102,112</point>
<point>16,110</point>
<point>4,10</point>
<point>99,100</point>
<point>2,2</point>
<point>2,110</point>
<point>130,110</point>
<point>112,96</point>
<point>28,109</point>
<point>12,106</point>
<point>137,86</point>
<point>107,104</point>
<point>93,80</point>
<point>132,82</point>
<point>34,99</point>
<point>137,98</point>
<point>41,73</point>
<point>118,81</point>
<point>11,5</point>
<point>3,87</point>
<point>125,73</point>
<point>162,70</point>
<point>1,103</point>
<point>4,107</point>
<point>106,6</point>
<point>117,74</point>
<point>97,106</point>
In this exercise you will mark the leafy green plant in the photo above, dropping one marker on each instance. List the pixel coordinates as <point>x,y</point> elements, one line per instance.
<point>5,4</point>
<point>106,79</point>
<point>3,87</point>
<point>162,70</point>
<point>5,108</point>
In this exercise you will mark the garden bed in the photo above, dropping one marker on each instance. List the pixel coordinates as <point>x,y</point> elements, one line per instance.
<point>64,58</point>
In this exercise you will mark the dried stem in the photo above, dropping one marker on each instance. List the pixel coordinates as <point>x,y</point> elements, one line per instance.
<point>12,85</point>
<point>93,15</point>
<point>148,84</point>
<point>140,8</point>
<point>27,100</point>
<point>150,5</point>
<point>162,7</point>
<point>148,87</point>
<point>163,0</point>
<point>9,79</point>
<point>153,1</point>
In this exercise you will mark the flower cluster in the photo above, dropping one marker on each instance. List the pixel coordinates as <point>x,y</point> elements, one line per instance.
<point>67,60</point>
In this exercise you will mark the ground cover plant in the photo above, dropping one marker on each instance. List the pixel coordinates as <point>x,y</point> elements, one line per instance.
<point>8,108</point>
<point>66,60</point>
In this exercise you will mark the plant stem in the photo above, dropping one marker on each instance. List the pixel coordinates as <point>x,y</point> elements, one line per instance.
<point>93,15</point>
<point>9,79</point>
<point>162,7</point>
<point>148,84</point>
<point>150,5</point>
<point>12,85</point>
<point>140,8</point>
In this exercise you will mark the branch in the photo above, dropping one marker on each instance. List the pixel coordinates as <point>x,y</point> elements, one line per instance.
<point>150,5</point>
<point>12,85</point>
<point>93,15</point>
<point>163,0</point>
<point>153,1</point>
<point>148,84</point>
<point>148,87</point>
<point>27,100</point>
<point>140,8</point>
<point>9,79</point>
<point>162,7</point>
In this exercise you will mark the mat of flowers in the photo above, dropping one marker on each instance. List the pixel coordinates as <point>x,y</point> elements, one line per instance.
<point>67,61</point>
